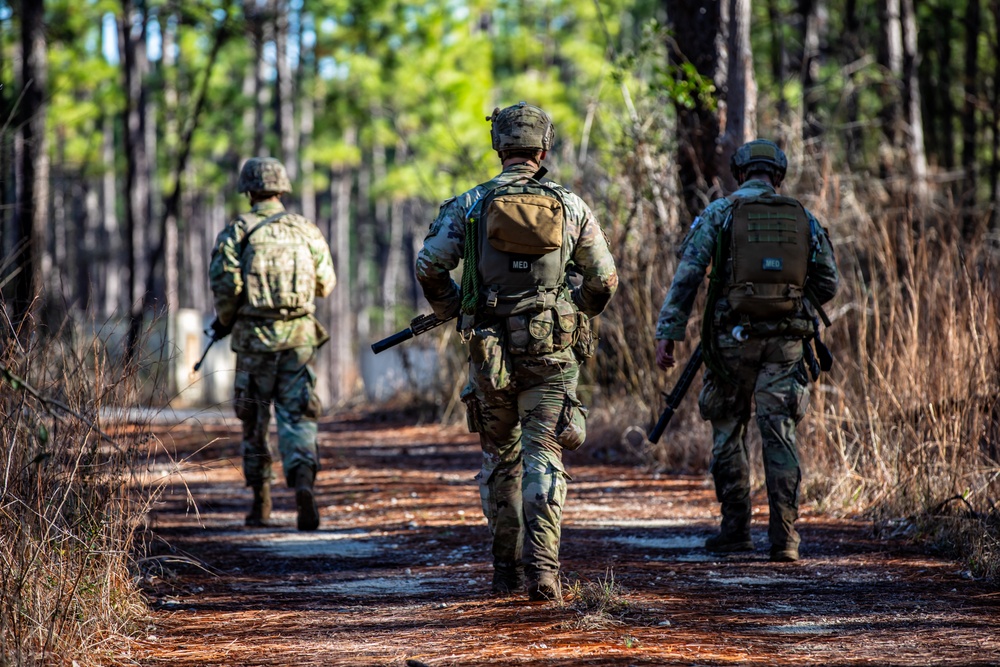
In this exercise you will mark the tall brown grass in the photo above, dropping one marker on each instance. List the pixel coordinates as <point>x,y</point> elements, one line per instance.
<point>68,506</point>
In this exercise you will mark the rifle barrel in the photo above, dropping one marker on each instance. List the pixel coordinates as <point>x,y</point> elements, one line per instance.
<point>391,341</point>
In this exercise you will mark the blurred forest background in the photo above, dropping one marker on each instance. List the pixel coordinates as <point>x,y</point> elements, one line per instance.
<point>126,123</point>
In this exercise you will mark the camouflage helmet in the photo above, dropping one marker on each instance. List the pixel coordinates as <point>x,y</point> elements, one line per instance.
<point>263,174</point>
<point>759,155</point>
<point>521,126</point>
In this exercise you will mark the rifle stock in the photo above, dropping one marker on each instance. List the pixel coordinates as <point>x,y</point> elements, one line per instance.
<point>676,395</point>
<point>418,325</point>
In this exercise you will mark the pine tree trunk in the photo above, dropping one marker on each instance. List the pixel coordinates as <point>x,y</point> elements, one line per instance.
<point>341,323</point>
<point>969,123</point>
<point>306,78</point>
<point>133,48</point>
<point>33,191</point>
<point>715,38</point>
<point>284,108</point>
<point>111,271</point>
<point>915,151</point>
<point>814,24</point>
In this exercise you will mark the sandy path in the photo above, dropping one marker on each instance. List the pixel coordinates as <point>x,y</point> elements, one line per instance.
<point>398,571</point>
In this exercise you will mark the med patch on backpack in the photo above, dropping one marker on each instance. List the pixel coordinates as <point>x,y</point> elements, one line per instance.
<point>770,240</point>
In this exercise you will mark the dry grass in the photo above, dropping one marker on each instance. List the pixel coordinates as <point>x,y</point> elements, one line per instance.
<point>68,509</point>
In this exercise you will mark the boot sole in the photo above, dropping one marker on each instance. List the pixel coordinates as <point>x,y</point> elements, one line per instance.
<point>308,512</point>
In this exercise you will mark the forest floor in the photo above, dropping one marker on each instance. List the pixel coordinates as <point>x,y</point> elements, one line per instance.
<point>399,574</point>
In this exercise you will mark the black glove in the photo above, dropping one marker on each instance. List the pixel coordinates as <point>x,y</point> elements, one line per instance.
<point>220,330</point>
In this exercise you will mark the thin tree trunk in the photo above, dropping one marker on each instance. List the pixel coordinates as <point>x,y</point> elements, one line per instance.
<point>915,151</point>
<point>890,56</point>
<point>307,100</point>
<point>342,331</point>
<point>284,116</point>
<point>779,56</point>
<point>971,89</point>
<point>814,25</point>
<point>33,195</point>
<point>111,268</point>
<point>741,87</point>
<point>133,48</point>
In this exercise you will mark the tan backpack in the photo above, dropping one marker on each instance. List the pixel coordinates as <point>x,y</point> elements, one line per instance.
<point>769,237</point>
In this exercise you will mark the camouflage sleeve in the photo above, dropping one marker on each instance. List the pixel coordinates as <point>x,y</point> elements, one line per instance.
<point>592,257</point>
<point>224,273</point>
<point>698,249</point>
<point>326,278</point>
<point>822,278</point>
<point>443,248</point>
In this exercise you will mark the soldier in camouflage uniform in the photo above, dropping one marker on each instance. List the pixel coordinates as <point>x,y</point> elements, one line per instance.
<point>267,268</point>
<point>768,366</point>
<point>523,362</point>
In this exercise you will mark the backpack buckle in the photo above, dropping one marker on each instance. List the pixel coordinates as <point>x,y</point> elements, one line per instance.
<point>492,296</point>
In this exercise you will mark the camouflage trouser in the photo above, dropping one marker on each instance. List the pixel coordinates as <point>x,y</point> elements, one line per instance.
<point>285,379</point>
<point>771,371</point>
<point>525,410</point>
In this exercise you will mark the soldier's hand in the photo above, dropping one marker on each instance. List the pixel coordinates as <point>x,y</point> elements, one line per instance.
<point>665,354</point>
<point>219,330</point>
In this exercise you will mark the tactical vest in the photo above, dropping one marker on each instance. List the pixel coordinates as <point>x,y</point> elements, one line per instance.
<point>279,274</point>
<point>521,247</point>
<point>770,237</point>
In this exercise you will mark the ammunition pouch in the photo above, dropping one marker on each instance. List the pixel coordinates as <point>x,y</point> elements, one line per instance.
<point>552,330</point>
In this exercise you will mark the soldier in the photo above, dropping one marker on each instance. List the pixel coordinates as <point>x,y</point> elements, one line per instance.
<point>267,267</point>
<point>773,267</point>
<point>527,328</point>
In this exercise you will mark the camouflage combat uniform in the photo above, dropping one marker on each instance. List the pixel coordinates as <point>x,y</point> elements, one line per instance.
<point>768,367</point>
<point>274,355</point>
<point>523,405</point>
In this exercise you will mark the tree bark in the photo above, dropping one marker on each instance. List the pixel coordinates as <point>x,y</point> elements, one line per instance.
<point>341,311</point>
<point>111,271</point>
<point>33,194</point>
<point>133,49</point>
<point>969,123</point>
<point>914,139</point>
<point>306,86</point>
<point>284,112</point>
<point>814,25</point>
<point>715,38</point>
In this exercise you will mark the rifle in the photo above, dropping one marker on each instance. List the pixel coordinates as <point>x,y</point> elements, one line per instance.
<point>418,325</point>
<point>676,395</point>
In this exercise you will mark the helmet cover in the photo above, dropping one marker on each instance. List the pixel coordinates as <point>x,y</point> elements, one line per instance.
<point>521,126</point>
<point>759,154</point>
<point>263,174</point>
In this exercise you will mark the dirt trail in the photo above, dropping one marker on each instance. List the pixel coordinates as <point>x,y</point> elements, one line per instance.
<point>399,571</point>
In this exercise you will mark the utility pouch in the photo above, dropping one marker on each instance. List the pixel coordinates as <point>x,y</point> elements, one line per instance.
<point>540,333</point>
<point>517,334</point>
<point>585,341</point>
<point>566,325</point>
<point>473,412</point>
<point>571,427</point>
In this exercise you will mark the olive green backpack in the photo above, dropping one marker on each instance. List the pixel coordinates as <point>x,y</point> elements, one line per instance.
<point>769,246</point>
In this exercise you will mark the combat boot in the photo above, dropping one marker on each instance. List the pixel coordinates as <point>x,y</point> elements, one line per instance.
<point>305,498</point>
<point>545,587</point>
<point>726,543</point>
<point>785,554</point>
<point>260,511</point>
<point>508,578</point>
